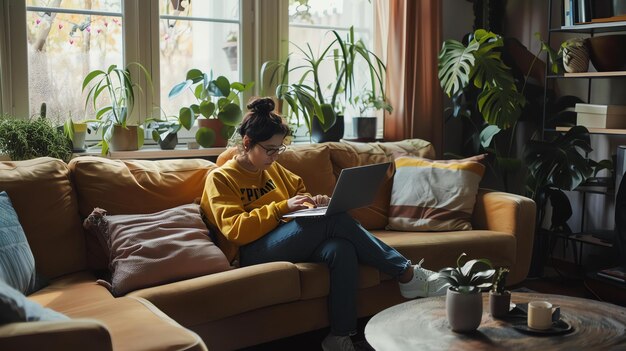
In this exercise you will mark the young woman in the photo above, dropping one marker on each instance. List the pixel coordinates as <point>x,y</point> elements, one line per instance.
<point>246,198</point>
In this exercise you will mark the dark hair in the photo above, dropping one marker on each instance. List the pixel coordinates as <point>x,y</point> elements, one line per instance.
<point>261,122</point>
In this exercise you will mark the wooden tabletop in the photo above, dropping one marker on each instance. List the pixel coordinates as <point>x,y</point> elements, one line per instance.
<point>422,325</point>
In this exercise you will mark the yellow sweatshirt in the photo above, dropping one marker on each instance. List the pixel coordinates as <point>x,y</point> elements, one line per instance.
<point>242,206</point>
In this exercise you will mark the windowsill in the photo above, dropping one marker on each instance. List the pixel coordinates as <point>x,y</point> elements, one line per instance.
<point>148,152</point>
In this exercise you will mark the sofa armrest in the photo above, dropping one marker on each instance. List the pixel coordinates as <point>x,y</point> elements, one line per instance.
<point>75,334</point>
<point>508,213</point>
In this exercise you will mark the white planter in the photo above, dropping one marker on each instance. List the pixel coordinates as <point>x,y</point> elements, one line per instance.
<point>464,311</point>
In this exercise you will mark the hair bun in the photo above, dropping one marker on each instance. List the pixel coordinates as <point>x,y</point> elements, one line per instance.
<point>261,105</point>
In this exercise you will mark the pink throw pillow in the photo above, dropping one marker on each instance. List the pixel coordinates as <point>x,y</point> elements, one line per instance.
<point>146,250</point>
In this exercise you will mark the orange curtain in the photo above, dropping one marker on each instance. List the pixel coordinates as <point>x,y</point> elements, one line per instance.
<point>413,41</point>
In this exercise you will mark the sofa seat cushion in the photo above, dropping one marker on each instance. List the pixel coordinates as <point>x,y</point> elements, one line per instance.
<point>441,249</point>
<point>203,299</point>
<point>41,193</point>
<point>134,324</point>
<point>315,279</point>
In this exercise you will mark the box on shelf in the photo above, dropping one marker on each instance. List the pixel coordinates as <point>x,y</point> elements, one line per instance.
<point>597,120</point>
<point>601,116</point>
<point>601,109</point>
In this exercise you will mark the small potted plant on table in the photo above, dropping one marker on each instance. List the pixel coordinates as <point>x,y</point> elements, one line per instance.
<point>464,302</point>
<point>499,297</point>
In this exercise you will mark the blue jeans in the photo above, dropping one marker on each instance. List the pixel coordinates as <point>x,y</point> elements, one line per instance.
<point>338,241</point>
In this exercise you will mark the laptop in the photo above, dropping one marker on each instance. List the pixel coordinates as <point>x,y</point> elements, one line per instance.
<point>356,187</point>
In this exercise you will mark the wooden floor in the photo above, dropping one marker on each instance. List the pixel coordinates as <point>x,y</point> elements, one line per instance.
<point>561,278</point>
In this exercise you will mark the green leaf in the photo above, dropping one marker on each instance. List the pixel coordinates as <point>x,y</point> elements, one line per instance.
<point>206,108</point>
<point>230,115</point>
<point>487,134</point>
<point>501,107</point>
<point>329,116</point>
<point>179,88</point>
<point>220,86</point>
<point>195,75</point>
<point>205,137</point>
<point>455,65</point>
<point>186,117</point>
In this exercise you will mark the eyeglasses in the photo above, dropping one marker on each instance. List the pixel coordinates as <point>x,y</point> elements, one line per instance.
<point>271,151</point>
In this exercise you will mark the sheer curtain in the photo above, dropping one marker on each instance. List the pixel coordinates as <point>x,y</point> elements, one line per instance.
<point>410,46</point>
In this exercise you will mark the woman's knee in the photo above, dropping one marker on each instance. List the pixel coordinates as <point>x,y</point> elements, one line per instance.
<point>337,250</point>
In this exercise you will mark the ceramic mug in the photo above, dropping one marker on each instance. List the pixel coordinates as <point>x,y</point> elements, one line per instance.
<point>541,314</point>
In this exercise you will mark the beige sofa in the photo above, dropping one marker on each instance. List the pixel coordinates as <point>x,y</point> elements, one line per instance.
<point>227,310</point>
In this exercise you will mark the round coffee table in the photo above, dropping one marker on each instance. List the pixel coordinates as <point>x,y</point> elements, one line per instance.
<point>422,325</point>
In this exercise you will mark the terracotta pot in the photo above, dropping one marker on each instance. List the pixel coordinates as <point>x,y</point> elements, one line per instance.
<point>608,52</point>
<point>499,304</point>
<point>464,311</point>
<point>124,139</point>
<point>218,127</point>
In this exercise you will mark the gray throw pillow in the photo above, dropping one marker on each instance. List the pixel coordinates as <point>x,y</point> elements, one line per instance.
<point>17,264</point>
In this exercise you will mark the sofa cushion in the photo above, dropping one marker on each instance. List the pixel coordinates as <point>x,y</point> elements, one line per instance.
<point>152,249</point>
<point>15,307</point>
<point>17,264</point>
<point>134,324</point>
<point>443,248</point>
<point>315,279</point>
<point>212,297</point>
<point>432,195</point>
<point>42,195</point>
<point>351,154</point>
<point>311,162</point>
<point>134,187</point>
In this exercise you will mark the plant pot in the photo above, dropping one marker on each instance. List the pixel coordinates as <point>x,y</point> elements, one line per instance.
<point>220,132</point>
<point>464,311</point>
<point>364,128</point>
<point>170,142</point>
<point>78,139</point>
<point>499,304</point>
<point>335,133</point>
<point>576,57</point>
<point>124,139</point>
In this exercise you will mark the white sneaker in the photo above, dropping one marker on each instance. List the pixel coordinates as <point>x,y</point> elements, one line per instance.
<point>419,286</point>
<point>337,343</point>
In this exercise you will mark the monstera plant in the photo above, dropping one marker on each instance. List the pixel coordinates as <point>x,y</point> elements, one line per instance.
<point>479,64</point>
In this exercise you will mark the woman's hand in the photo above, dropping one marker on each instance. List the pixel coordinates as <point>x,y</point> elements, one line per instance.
<point>300,202</point>
<point>321,200</point>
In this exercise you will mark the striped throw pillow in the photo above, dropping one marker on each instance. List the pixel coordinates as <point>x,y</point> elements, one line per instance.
<point>432,195</point>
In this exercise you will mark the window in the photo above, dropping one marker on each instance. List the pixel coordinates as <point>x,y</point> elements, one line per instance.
<point>66,40</point>
<point>311,23</point>
<point>201,34</point>
<point>48,46</point>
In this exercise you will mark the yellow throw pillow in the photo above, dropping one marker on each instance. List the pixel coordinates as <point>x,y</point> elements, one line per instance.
<point>430,195</point>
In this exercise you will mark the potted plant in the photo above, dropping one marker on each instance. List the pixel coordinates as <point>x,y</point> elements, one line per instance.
<point>217,108</point>
<point>76,133</point>
<point>24,139</point>
<point>464,303</point>
<point>364,125</point>
<point>164,131</point>
<point>320,104</point>
<point>499,297</point>
<point>116,89</point>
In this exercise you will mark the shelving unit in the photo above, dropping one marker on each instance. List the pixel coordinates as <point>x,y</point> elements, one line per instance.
<point>584,236</point>
<point>589,29</point>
